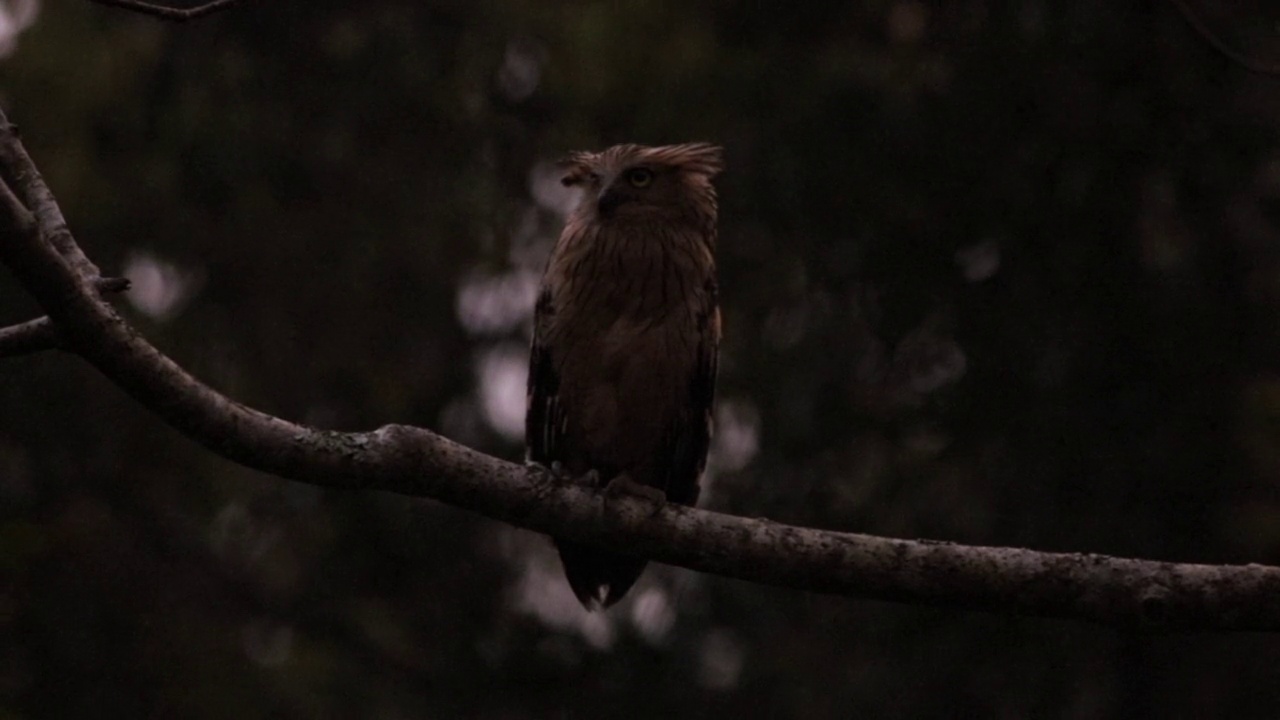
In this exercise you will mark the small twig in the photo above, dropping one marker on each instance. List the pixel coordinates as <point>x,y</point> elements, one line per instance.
<point>169,13</point>
<point>112,285</point>
<point>29,337</point>
<point>1222,46</point>
<point>40,334</point>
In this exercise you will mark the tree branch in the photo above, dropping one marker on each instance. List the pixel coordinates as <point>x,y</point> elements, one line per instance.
<point>34,197</point>
<point>28,337</point>
<point>169,13</point>
<point>40,334</point>
<point>416,462</point>
<point>1224,48</point>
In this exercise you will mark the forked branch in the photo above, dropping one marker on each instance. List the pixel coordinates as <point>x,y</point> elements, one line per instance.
<point>40,334</point>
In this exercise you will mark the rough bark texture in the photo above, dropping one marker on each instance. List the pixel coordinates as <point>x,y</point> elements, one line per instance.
<point>36,245</point>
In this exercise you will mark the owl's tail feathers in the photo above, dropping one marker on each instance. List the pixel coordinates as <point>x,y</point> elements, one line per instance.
<point>598,578</point>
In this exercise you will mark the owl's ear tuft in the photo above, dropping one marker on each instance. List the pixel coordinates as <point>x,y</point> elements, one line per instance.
<point>706,158</point>
<point>576,168</point>
<point>699,158</point>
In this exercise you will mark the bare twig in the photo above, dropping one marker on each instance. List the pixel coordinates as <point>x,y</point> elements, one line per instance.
<point>165,12</point>
<point>112,285</point>
<point>416,462</point>
<point>40,334</point>
<point>28,337</point>
<point>1224,48</point>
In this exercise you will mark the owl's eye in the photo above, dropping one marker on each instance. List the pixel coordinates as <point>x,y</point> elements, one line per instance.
<point>640,177</point>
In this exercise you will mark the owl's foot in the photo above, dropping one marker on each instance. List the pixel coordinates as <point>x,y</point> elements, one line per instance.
<point>588,479</point>
<point>623,486</point>
<point>560,474</point>
<point>554,470</point>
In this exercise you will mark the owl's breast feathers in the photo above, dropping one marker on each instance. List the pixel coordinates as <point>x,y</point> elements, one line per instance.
<point>624,358</point>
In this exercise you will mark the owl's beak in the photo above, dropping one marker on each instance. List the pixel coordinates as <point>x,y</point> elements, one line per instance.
<point>609,200</point>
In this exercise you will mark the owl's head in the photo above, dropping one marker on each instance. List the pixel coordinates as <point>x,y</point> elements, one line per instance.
<point>635,182</point>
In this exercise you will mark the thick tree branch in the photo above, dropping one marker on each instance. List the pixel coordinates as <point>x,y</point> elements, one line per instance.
<point>165,12</point>
<point>416,462</point>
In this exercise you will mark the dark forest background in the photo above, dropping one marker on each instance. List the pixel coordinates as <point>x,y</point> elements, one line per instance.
<point>992,272</point>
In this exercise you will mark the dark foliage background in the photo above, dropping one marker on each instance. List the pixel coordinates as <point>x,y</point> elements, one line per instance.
<point>993,272</point>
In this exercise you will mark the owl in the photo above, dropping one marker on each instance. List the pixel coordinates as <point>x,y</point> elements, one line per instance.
<point>626,333</point>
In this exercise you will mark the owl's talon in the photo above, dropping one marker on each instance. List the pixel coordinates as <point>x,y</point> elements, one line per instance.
<point>544,469</point>
<point>623,486</point>
<point>589,479</point>
<point>555,470</point>
<point>560,475</point>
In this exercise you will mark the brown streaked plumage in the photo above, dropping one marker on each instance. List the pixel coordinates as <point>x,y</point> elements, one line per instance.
<point>623,365</point>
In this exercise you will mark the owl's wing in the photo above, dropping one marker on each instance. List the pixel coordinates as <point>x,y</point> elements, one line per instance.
<point>690,433</point>
<point>544,422</point>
